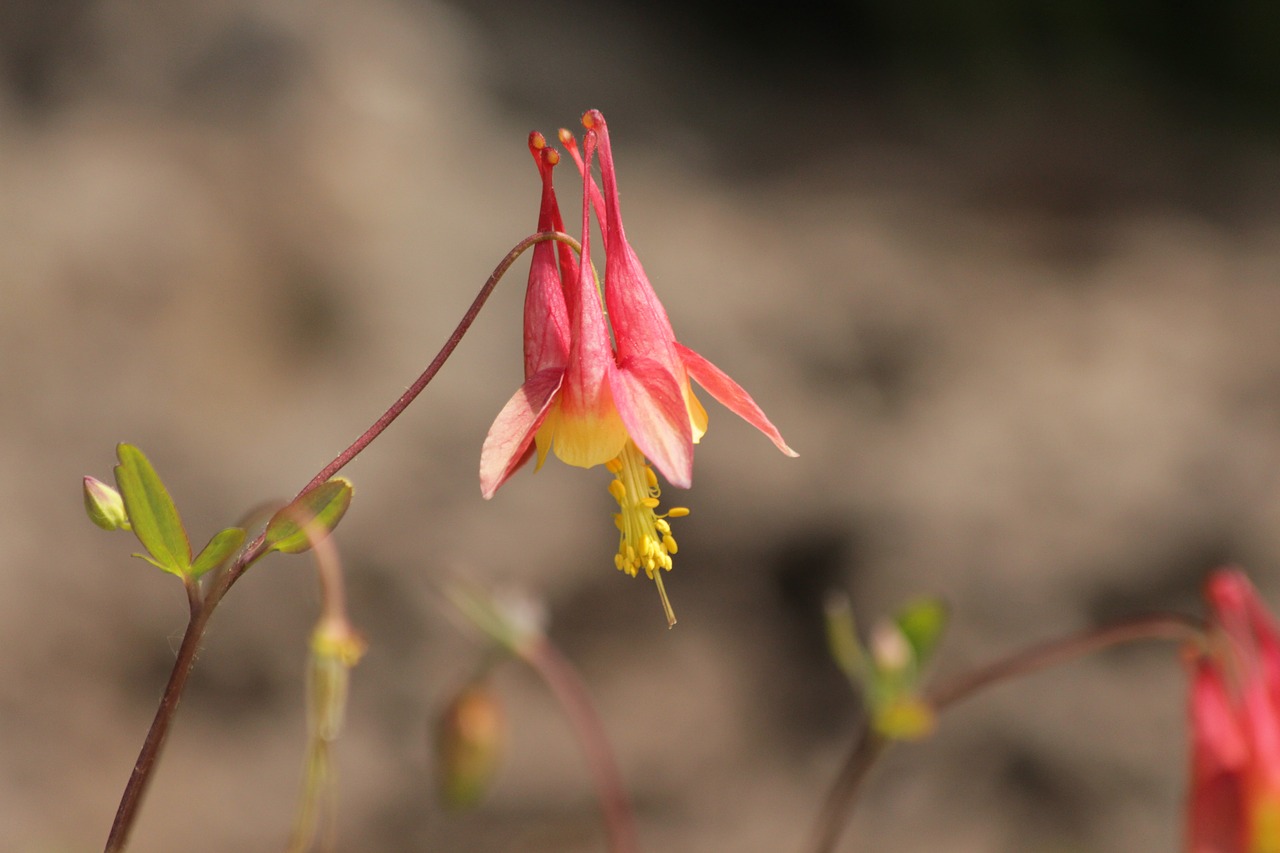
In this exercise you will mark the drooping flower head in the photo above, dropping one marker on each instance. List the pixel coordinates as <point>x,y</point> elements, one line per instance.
<point>1235,716</point>
<point>621,396</point>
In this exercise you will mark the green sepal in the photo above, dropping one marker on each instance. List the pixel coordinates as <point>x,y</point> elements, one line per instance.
<point>217,552</point>
<point>312,515</point>
<point>152,515</point>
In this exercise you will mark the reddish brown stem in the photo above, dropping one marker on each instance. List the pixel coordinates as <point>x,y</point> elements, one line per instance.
<point>838,807</point>
<point>141,776</point>
<point>1155,626</point>
<point>432,369</point>
<point>571,693</point>
<point>201,611</point>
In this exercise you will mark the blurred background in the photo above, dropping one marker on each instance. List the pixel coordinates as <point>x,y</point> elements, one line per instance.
<point>1005,276</point>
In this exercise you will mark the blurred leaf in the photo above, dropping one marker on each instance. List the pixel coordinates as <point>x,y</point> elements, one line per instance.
<point>218,551</point>
<point>313,515</point>
<point>842,637</point>
<point>512,619</point>
<point>153,516</point>
<point>922,623</point>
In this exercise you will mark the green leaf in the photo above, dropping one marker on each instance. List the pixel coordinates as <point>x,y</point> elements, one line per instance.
<point>218,551</point>
<point>922,623</point>
<point>311,516</point>
<point>154,518</point>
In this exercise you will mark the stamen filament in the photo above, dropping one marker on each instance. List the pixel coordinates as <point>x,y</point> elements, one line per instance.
<point>645,540</point>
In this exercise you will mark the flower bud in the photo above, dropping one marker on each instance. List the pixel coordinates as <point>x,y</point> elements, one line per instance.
<point>891,650</point>
<point>469,742</point>
<point>335,649</point>
<point>104,505</point>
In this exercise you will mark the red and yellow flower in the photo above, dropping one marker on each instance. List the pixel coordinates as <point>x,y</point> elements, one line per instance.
<point>1235,718</point>
<point>614,391</point>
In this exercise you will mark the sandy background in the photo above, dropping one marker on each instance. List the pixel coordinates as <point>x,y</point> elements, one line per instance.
<point>1017,315</point>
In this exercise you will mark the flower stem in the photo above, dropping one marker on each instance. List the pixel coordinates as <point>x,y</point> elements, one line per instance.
<point>202,610</point>
<point>1155,626</point>
<point>838,807</point>
<point>572,695</point>
<point>432,369</point>
<point>156,735</point>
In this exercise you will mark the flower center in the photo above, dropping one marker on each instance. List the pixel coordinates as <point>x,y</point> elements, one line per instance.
<point>646,541</point>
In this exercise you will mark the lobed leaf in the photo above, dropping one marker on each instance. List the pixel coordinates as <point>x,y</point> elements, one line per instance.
<point>152,514</point>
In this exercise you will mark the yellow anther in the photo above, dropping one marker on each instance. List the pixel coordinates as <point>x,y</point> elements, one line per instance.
<point>677,512</point>
<point>645,540</point>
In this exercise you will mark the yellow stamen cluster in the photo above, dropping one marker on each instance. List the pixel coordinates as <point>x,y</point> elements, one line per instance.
<point>646,541</point>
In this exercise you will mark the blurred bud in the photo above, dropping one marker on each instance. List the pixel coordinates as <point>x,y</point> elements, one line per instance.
<point>887,673</point>
<point>104,505</point>
<point>335,649</point>
<point>469,741</point>
<point>890,650</point>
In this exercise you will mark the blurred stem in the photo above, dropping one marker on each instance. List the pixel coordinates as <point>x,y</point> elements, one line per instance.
<point>838,807</point>
<point>571,693</point>
<point>1155,626</point>
<point>202,610</point>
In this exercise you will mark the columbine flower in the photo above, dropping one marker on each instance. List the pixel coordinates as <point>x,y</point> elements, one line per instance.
<point>1235,717</point>
<point>622,395</point>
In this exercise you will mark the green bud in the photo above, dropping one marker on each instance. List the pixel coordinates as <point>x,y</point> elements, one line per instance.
<point>335,649</point>
<point>469,741</point>
<point>104,505</point>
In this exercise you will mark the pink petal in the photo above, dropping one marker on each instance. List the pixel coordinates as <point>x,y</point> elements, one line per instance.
<point>546,317</point>
<point>640,323</point>
<point>597,200</point>
<point>730,394</point>
<point>510,439</point>
<point>652,405</point>
<point>1217,812</point>
<point>590,352</point>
